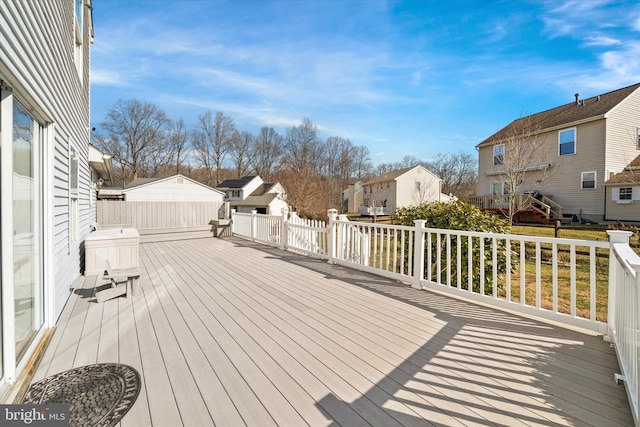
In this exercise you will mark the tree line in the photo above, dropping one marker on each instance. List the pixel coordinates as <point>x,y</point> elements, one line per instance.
<point>144,142</point>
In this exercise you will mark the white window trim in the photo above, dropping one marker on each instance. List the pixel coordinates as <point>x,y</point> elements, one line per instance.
<point>575,141</point>
<point>503,188</point>
<point>595,180</point>
<point>74,193</point>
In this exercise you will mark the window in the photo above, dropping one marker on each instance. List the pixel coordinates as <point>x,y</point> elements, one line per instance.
<point>73,195</point>
<point>417,186</point>
<point>567,141</point>
<point>498,154</point>
<point>638,138</point>
<point>77,48</point>
<point>499,188</point>
<point>626,193</point>
<point>235,193</point>
<point>588,180</point>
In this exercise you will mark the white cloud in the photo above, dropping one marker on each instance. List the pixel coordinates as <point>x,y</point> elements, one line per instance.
<point>103,77</point>
<point>601,41</point>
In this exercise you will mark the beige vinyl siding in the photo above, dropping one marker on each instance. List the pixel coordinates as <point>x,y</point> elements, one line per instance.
<point>622,123</point>
<point>485,163</point>
<point>565,185</point>
<point>623,211</point>
<point>408,195</point>
<point>37,44</point>
<point>563,180</point>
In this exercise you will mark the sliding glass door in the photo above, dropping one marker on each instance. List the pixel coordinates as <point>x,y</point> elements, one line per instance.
<point>27,229</point>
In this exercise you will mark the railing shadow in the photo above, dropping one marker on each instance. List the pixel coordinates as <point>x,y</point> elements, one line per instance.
<point>482,367</point>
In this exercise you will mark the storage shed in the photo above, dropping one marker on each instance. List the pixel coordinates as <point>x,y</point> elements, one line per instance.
<point>176,188</point>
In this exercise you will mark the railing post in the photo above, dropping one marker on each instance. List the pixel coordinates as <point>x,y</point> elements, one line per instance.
<point>284,230</point>
<point>615,236</point>
<point>254,224</point>
<point>233,229</point>
<point>331,241</point>
<point>418,254</point>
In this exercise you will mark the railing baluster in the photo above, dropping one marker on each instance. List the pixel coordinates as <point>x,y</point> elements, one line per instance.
<point>538,276</point>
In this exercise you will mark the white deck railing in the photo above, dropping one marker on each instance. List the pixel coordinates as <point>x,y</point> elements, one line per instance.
<point>624,313</point>
<point>588,284</point>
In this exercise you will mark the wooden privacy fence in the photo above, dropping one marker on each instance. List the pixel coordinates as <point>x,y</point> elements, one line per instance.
<point>158,221</point>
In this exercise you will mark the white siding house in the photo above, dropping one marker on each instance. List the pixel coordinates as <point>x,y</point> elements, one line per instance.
<point>47,187</point>
<point>252,193</point>
<point>176,188</point>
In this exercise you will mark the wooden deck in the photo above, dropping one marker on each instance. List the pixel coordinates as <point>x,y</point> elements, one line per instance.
<point>230,333</point>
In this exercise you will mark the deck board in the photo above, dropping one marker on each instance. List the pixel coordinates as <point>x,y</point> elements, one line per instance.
<point>227,332</point>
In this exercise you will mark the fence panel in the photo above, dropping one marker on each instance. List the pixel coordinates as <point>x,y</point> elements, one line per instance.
<point>156,215</point>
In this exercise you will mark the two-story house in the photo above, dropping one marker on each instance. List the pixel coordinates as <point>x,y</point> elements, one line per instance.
<point>578,147</point>
<point>385,193</point>
<point>48,185</point>
<point>252,193</point>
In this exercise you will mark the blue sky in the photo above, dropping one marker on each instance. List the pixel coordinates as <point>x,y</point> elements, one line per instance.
<point>401,78</point>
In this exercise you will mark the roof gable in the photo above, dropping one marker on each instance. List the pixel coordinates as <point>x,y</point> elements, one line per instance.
<point>586,109</point>
<point>143,182</point>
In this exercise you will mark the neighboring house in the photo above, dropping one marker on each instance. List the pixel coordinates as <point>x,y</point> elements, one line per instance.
<point>176,188</point>
<point>385,193</point>
<point>623,194</point>
<point>48,185</point>
<point>586,142</point>
<point>251,193</point>
<point>352,197</point>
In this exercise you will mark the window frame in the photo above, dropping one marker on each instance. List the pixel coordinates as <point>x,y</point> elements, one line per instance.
<point>498,158</point>
<point>575,139</point>
<point>583,180</point>
<point>504,188</point>
<point>628,193</point>
<point>74,194</point>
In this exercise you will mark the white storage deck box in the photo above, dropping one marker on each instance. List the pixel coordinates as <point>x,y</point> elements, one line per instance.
<point>118,245</point>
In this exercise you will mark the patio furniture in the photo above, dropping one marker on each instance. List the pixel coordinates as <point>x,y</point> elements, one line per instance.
<point>123,281</point>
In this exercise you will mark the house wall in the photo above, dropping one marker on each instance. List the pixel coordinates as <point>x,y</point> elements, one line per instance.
<point>622,124</point>
<point>407,192</point>
<point>42,71</point>
<point>174,189</point>
<point>622,211</point>
<point>563,180</point>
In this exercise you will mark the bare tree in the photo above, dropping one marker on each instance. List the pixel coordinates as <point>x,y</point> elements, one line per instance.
<point>212,140</point>
<point>242,152</point>
<point>521,156</point>
<point>458,172</point>
<point>180,138</point>
<point>302,150</point>
<point>136,136</point>
<point>267,152</point>
<point>362,166</point>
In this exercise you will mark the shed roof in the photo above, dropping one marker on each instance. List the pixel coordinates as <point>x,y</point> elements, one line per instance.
<point>590,108</point>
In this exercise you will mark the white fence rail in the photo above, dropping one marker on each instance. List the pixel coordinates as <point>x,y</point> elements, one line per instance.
<point>624,313</point>
<point>593,285</point>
